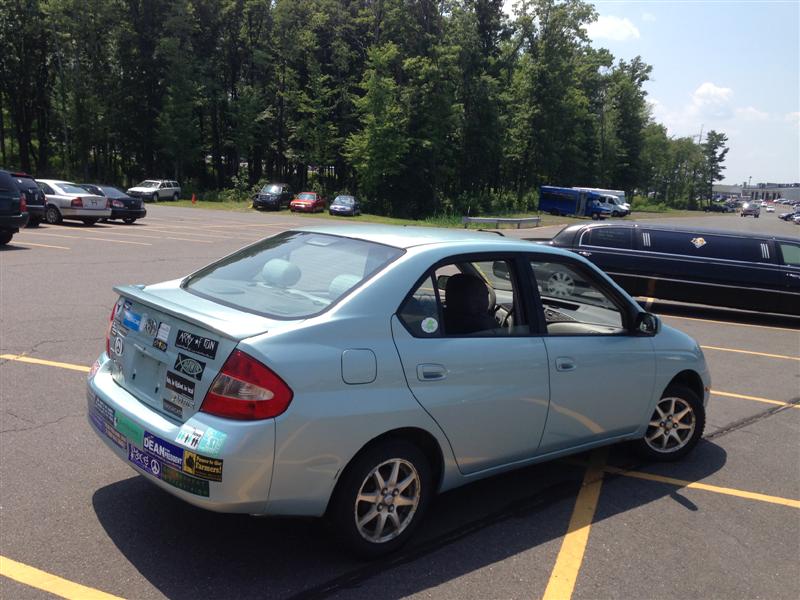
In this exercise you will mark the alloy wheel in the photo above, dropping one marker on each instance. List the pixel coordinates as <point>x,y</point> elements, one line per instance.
<point>671,426</point>
<point>387,500</point>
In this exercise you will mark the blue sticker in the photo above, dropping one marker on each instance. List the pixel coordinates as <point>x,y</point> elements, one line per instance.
<point>144,461</point>
<point>163,450</point>
<point>211,442</point>
<point>131,320</point>
<point>103,410</point>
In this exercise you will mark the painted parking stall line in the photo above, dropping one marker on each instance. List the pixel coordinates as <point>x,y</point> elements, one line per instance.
<point>96,239</point>
<point>48,582</point>
<point>24,243</point>
<point>751,353</point>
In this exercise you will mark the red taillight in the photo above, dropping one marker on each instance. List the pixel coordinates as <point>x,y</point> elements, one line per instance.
<point>108,203</point>
<point>76,203</point>
<point>23,205</point>
<point>108,329</point>
<point>246,390</point>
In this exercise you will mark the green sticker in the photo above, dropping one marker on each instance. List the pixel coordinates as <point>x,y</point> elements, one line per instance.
<point>429,325</point>
<point>211,442</point>
<point>184,482</point>
<point>129,429</point>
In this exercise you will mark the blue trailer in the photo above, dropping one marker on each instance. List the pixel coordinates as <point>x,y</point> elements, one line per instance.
<point>568,201</point>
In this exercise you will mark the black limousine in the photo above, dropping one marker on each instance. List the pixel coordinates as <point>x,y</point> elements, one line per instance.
<point>700,266</point>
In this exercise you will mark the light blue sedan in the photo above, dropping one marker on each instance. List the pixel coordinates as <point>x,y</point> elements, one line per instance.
<point>354,372</point>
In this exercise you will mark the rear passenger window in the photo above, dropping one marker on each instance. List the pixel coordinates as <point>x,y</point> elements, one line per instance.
<point>608,237</point>
<point>420,313</point>
<point>791,254</point>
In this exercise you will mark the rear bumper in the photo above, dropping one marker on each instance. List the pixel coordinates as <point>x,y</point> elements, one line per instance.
<point>85,213</point>
<point>133,432</point>
<point>36,210</point>
<point>13,223</point>
<point>128,213</point>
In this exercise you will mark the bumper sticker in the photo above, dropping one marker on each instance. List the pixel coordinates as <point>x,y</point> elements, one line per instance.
<point>202,466</point>
<point>189,436</point>
<point>144,461</point>
<point>161,337</point>
<point>103,409</point>
<point>180,385</point>
<point>131,320</point>
<point>172,408</point>
<point>197,343</point>
<point>129,429</point>
<point>108,430</point>
<point>183,482</point>
<point>211,442</point>
<point>189,366</point>
<point>163,450</point>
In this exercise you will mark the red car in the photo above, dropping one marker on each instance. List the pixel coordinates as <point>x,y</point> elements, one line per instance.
<point>307,202</point>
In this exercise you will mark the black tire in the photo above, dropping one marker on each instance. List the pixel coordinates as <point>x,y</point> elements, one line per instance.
<point>357,477</point>
<point>129,220</point>
<point>89,222</point>
<point>330,212</point>
<point>682,397</point>
<point>33,222</point>
<point>595,216</point>
<point>52,215</point>
<point>5,237</point>
<point>616,214</point>
<point>175,197</point>
<point>154,197</point>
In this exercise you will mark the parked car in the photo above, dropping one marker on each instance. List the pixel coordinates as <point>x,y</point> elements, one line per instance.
<point>720,268</point>
<point>722,207</point>
<point>273,196</point>
<point>155,190</point>
<point>67,200</point>
<point>787,216</point>
<point>34,197</point>
<point>307,202</point>
<point>123,206</point>
<point>13,209</point>
<point>770,209</point>
<point>750,209</point>
<point>205,387</point>
<point>345,205</point>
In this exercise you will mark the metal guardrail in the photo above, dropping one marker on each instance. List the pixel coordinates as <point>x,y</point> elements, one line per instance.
<point>519,222</point>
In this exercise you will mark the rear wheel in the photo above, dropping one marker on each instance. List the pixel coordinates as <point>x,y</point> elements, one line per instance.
<point>5,237</point>
<point>52,215</point>
<point>175,197</point>
<point>128,220</point>
<point>34,222</point>
<point>90,221</point>
<point>675,427</point>
<point>154,198</point>
<point>382,497</point>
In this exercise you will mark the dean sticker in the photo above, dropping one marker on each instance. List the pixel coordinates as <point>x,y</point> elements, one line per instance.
<point>163,450</point>
<point>189,366</point>
<point>197,344</point>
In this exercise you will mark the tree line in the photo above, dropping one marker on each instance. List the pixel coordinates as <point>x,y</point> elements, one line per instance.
<point>419,106</point>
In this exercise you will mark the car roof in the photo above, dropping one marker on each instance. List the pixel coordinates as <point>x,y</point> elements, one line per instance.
<point>57,181</point>
<point>678,229</point>
<point>411,236</point>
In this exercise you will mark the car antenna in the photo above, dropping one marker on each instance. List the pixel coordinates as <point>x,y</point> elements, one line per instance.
<point>500,233</point>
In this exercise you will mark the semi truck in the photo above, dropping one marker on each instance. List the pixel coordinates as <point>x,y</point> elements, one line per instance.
<point>563,201</point>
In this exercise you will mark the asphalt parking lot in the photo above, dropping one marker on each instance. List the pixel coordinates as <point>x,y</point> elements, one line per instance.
<point>77,522</point>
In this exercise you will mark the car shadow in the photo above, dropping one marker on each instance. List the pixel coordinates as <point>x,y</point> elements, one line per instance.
<point>187,552</point>
<point>10,247</point>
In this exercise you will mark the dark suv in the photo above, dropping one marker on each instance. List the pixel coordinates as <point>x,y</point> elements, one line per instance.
<point>34,197</point>
<point>274,196</point>
<point>13,209</point>
<point>748,271</point>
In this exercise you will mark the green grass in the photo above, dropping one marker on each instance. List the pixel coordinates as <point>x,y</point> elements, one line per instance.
<point>435,221</point>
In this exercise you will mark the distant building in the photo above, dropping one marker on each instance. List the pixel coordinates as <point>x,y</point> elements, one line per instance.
<point>760,191</point>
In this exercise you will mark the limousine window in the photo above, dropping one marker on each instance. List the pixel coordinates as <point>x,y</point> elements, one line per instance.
<point>706,245</point>
<point>608,237</point>
<point>791,254</point>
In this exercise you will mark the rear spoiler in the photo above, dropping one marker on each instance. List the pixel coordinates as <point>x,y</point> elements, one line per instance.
<point>238,326</point>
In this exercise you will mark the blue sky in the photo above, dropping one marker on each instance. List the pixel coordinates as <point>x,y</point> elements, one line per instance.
<point>732,66</point>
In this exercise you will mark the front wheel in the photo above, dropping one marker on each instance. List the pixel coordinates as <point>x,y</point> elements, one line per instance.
<point>5,237</point>
<point>52,215</point>
<point>381,498</point>
<point>154,198</point>
<point>175,197</point>
<point>675,427</point>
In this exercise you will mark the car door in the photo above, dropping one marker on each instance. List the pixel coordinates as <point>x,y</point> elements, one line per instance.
<point>601,373</point>
<point>487,389</point>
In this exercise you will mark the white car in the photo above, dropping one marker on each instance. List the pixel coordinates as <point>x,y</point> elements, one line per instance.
<point>770,208</point>
<point>155,190</point>
<point>67,200</point>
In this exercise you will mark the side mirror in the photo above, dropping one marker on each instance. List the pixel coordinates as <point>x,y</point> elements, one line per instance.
<point>647,324</point>
<point>500,270</point>
<point>441,281</point>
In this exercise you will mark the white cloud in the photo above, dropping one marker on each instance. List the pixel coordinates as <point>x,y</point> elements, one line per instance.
<point>648,17</point>
<point>612,28</point>
<point>712,101</point>
<point>750,113</point>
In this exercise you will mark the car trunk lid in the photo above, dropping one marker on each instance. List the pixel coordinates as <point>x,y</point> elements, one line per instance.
<point>168,345</point>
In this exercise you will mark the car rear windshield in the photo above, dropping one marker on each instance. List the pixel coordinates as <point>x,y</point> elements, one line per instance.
<point>71,188</point>
<point>292,275</point>
<point>147,184</point>
<point>26,183</point>
<point>112,192</point>
<point>346,200</point>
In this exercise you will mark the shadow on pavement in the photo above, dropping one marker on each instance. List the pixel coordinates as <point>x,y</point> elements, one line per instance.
<point>187,552</point>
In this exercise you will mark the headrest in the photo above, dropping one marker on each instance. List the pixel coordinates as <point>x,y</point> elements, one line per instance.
<point>342,283</point>
<point>280,272</point>
<point>467,294</point>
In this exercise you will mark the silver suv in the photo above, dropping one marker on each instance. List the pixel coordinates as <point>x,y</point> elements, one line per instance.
<point>156,189</point>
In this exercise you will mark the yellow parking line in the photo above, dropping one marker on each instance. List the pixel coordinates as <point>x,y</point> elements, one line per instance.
<point>731,323</point>
<point>570,556</point>
<point>86,237</point>
<point>50,583</point>
<point>706,487</point>
<point>753,398</point>
<point>41,245</point>
<point>47,363</point>
<point>752,353</point>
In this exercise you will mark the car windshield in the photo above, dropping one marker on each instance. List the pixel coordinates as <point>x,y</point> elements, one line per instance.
<point>307,196</point>
<point>147,184</point>
<point>292,275</point>
<point>345,200</point>
<point>71,188</point>
<point>271,189</point>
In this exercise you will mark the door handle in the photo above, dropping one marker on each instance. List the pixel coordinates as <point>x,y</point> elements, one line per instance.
<point>431,372</point>
<point>584,253</point>
<point>564,363</point>
<point>793,275</point>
